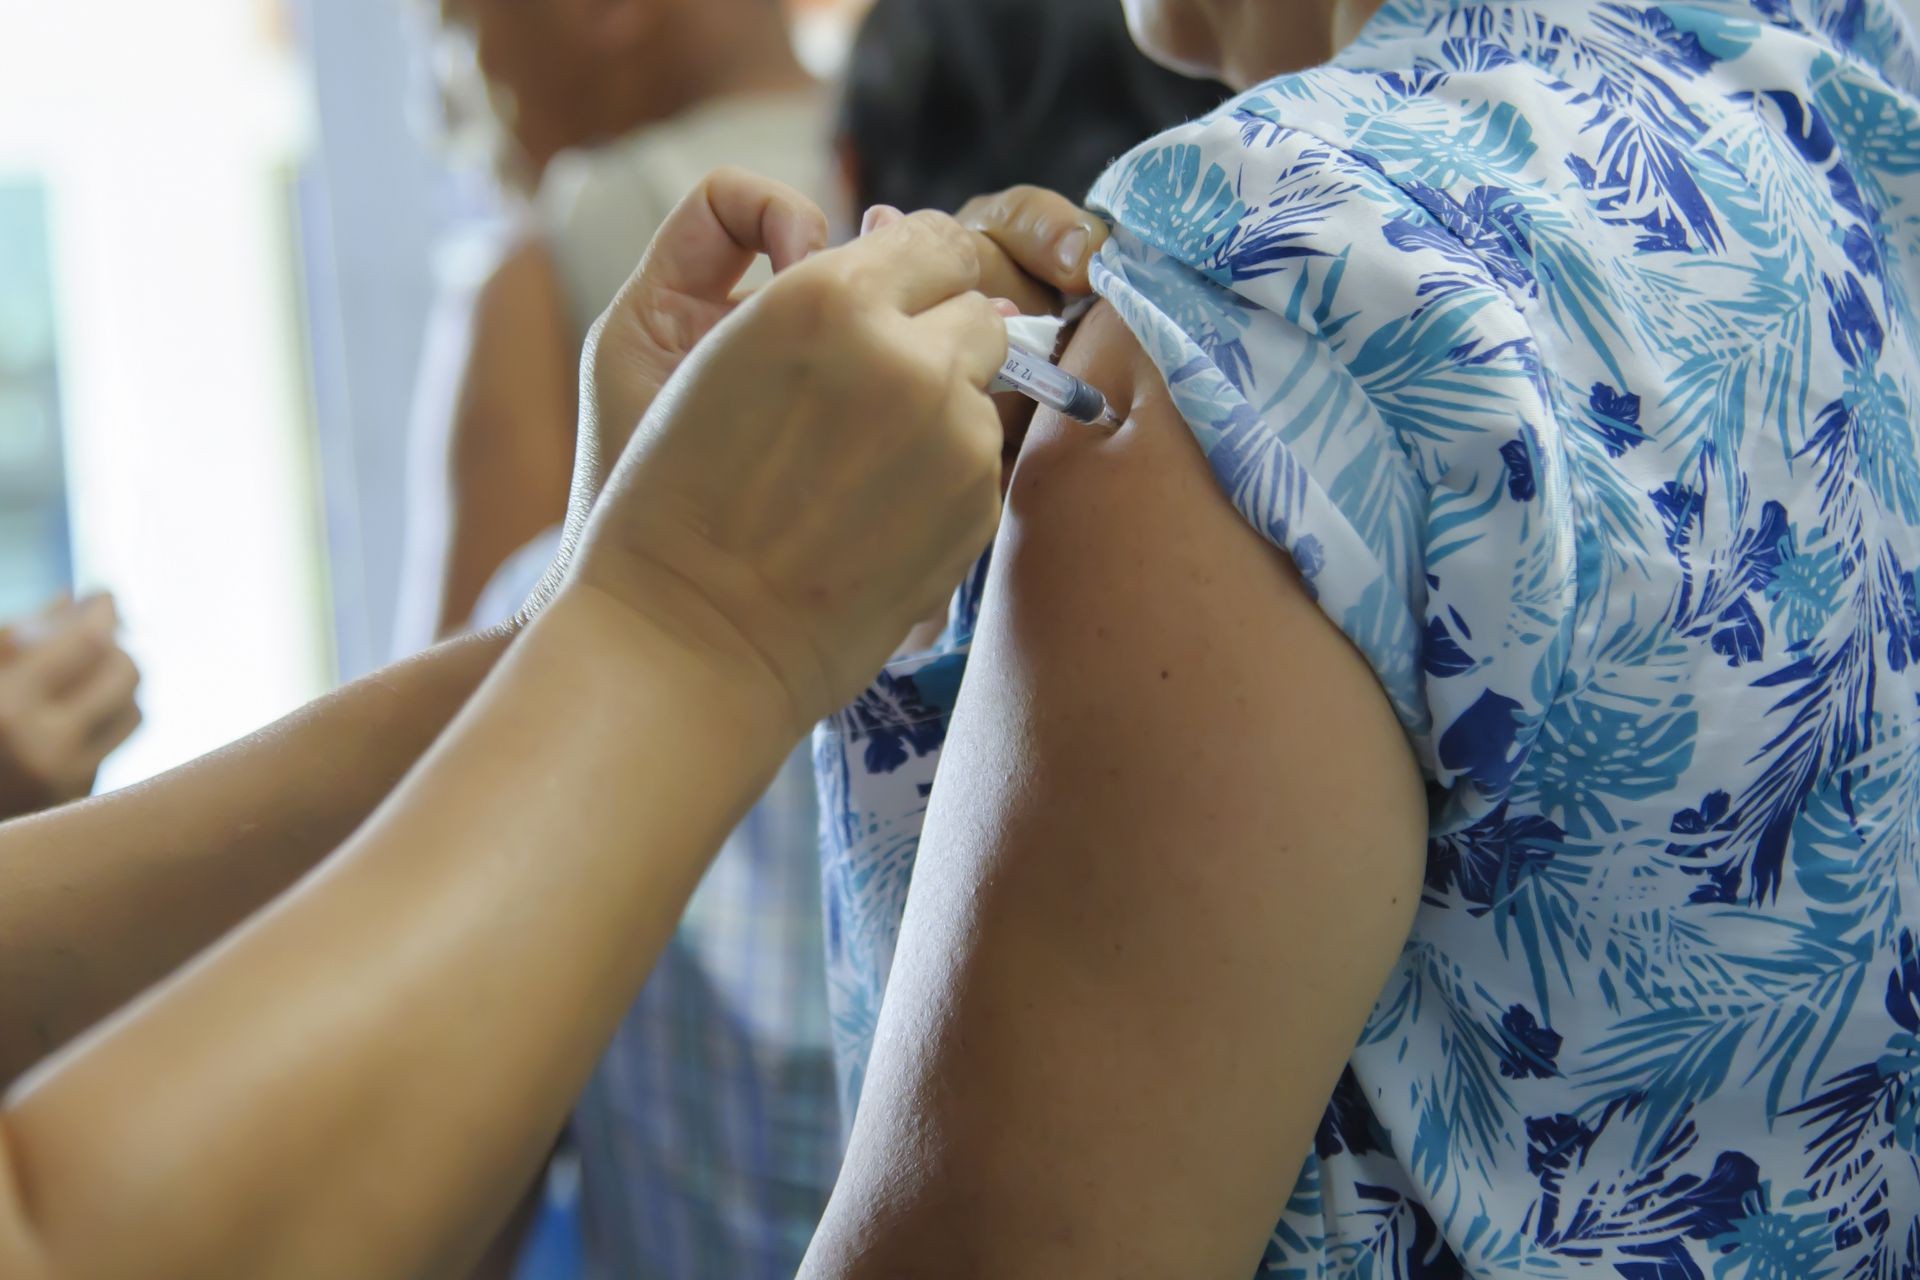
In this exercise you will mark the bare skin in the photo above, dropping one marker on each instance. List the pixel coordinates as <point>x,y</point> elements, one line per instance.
<point>261,1112</point>
<point>103,897</point>
<point>1163,876</point>
<point>511,442</point>
<point>1244,43</point>
<point>66,701</point>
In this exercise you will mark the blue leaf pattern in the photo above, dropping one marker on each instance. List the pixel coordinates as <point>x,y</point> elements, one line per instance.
<point>1571,353</point>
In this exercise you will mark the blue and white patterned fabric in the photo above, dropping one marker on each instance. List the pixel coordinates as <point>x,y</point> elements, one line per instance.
<point>1570,350</point>
<point>709,1136</point>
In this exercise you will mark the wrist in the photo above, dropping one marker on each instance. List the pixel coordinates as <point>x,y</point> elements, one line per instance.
<point>666,572</point>
<point>614,653</point>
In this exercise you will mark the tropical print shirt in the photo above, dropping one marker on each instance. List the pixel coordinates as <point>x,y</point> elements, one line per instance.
<point>1570,351</point>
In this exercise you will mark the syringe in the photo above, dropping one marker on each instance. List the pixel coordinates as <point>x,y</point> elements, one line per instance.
<point>1054,387</point>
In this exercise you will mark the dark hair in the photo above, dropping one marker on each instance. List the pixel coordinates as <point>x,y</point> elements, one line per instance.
<point>947,99</point>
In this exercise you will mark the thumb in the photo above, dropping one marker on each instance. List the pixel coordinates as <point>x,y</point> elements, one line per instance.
<point>1046,235</point>
<point>712,237</point>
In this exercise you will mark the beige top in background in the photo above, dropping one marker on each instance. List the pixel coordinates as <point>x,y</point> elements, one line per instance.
<point>599,207</point>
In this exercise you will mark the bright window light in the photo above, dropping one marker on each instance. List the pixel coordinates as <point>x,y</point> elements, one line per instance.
<point>164,138</point>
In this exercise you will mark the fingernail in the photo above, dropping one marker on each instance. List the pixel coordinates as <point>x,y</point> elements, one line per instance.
<point>1005,308</point>
<point>1072,248</point>
<point>879,216</point>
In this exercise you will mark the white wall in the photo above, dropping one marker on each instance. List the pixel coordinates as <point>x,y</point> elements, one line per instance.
<point>376,203</point>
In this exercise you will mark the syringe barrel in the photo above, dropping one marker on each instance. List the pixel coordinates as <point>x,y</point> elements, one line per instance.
<point>1055,388</point>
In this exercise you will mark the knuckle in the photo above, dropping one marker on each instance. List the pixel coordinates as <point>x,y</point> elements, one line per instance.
<point>919,390</point>
<point>814,216</point>
<point>828,297</point>
<point>977,310</point>
<point>1024,209</point>
<point>939,373</point>
<point>993,325</point>
<point>1026,205</point>
<point>930,221</point>
<point>1044,205</point>
<point>941,233</point>
<point>986,211</point>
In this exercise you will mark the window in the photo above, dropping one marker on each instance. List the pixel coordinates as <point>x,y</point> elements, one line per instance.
<point>36,559</point>
<point>156,376</point>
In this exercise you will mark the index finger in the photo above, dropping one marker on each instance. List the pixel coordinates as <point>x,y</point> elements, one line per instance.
<point>712,236</point>
<point>914,263</point>
<point>971,330</point>
<point>1002,277</point>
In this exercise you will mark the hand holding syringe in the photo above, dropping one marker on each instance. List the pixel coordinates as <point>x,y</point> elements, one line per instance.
<point>1038,379</point>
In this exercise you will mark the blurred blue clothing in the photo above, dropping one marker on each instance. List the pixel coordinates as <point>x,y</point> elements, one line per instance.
<point>553,1249</point>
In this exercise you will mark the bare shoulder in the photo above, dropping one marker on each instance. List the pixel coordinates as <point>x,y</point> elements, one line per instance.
<point>1125,519</point>
<point>1135,611</point>
<point>523,358</point>
<point>522,287</point>
<point>510,424</point>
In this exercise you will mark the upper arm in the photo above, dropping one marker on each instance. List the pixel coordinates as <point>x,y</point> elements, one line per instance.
<point>511,439</point>
<point>1174,850</point>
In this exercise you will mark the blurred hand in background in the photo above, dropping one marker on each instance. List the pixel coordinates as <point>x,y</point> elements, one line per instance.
<point>66,701</point>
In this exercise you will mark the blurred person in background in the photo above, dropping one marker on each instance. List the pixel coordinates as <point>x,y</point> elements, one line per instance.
<point>947,100</point>
<point>596,117</point>
<point>66,701</point>
<point>708,1139</point>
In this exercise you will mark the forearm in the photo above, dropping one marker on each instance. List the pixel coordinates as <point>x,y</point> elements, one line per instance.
<point>101,899</point>
<point>462,960</point>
